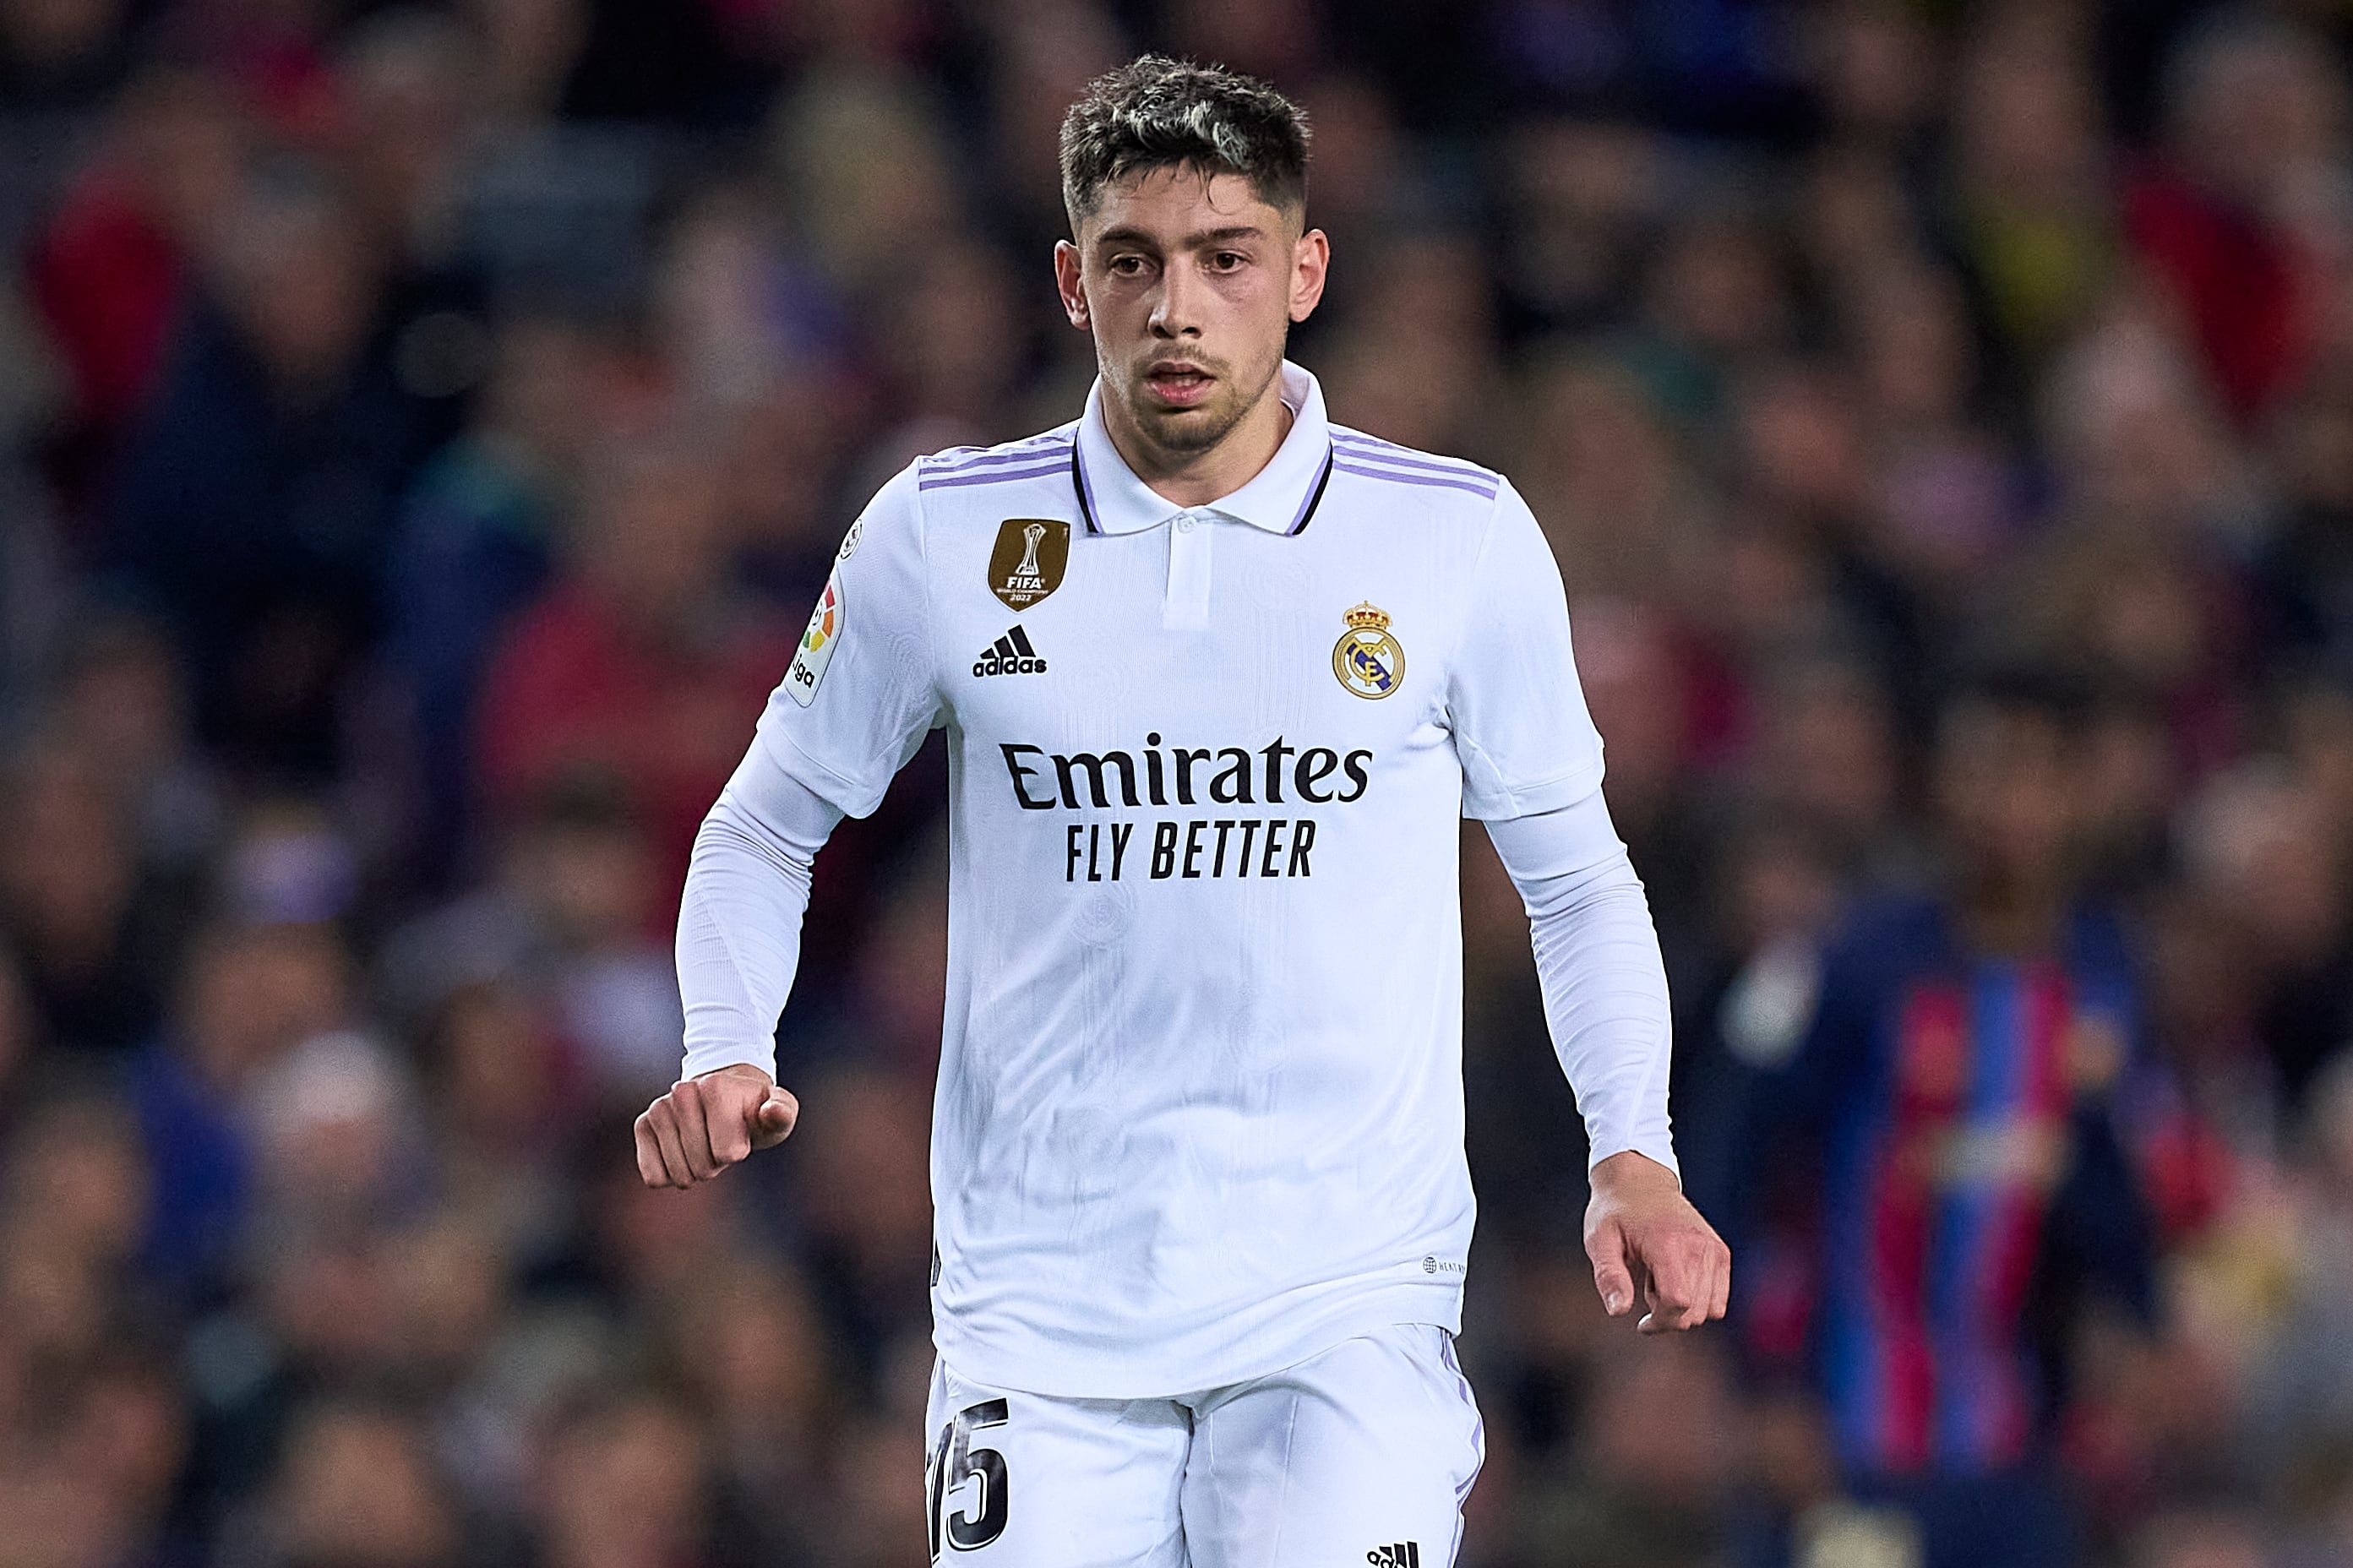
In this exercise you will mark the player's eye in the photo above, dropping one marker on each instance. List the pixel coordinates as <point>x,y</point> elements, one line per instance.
<point>1129,266</point>
<point>1227,261</point>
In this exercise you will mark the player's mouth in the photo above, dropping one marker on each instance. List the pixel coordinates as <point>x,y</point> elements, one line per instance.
<point>1179,384</point>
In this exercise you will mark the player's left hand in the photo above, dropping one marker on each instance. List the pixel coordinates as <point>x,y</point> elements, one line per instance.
<point>1647,1242</point>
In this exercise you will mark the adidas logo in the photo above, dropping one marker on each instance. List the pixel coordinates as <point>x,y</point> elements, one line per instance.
<point>1404,1554</point>
<point>1011,655</point>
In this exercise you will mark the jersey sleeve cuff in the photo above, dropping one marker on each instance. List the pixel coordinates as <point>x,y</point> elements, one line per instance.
<point>1661,1150</point>
<point>710,1056</point>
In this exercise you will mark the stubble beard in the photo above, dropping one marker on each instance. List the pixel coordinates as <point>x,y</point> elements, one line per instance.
<point>1190,431</point>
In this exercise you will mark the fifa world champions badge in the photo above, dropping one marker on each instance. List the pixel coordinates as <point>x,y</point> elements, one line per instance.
<point>1031,555</point>
<point>1368,661</point>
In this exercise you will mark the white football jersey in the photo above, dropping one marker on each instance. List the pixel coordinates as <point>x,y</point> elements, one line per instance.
<point>1200,1113</point>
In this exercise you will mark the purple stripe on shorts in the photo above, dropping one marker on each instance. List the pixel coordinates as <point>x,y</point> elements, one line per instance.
<point>1484,492</point>
<point>989,477</point>
<point>996,457</point>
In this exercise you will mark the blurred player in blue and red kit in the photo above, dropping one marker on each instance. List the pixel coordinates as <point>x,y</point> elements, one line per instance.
<point>1956,1182</point>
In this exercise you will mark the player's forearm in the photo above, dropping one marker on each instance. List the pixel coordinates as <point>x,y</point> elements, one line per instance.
<point>1605,985</point>
<point>739,923</point>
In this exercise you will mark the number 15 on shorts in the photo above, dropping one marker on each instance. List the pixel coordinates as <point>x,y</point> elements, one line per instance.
<point>966,1493</point>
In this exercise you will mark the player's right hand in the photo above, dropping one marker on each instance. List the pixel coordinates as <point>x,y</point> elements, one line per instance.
<point>708,1122</point>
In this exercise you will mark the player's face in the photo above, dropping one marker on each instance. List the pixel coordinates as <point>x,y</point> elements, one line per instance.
<point>1189,284</point>
<point>2012,788</point>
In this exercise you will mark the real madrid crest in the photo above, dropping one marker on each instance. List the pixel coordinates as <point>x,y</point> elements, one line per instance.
<point>1368,661</point>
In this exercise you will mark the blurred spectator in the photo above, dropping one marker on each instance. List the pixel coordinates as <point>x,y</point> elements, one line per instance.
<point>2273,863</point>
<point>95,946</point>
<point>247,996</point>
<point>1039,58</point>
<point>1579,200</point>
<point>78,1189</point>
<point>334,1135</point>
<point>271,53</point>
<point>865,1194</point>
<point>1825,761</point>
<point>642,660</point>
<point>1426,305</point>
<point>2033,217</point>
<point>754,1351</point>
<point>499,1102</point>
<point>1653,1485</point>
<point>254,505</point>
<point>1605,473</point>
<point>410,119</point>
<point>860,159</point>
<point>2307,580</point>
<point>62,54</point>
<point>525,50</point>
<point>111,270</point>
<point>566,924</point>
<point>477,545</point>
<point>122,696</point>
<point>623,1484</point>
<point>356,1486</point>
<point>2229,219</point>
<point>18,1030</point>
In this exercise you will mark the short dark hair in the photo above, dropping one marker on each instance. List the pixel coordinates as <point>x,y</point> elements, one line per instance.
<point>1155,112</point>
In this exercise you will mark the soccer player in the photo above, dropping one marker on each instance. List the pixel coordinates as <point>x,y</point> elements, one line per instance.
<point>1949,1123</point>
<point>1219,678</point>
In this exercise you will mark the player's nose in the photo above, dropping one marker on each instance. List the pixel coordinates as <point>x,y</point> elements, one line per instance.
<point>1172,313</point>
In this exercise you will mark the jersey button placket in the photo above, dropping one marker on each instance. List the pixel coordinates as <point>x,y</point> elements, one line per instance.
<point>1186,606</point>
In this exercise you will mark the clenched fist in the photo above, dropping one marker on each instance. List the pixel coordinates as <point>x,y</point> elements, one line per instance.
<point>706,1123</point>
<point>1646,1241</point>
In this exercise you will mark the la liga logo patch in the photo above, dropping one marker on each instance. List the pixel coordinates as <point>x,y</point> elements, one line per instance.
<point>826,625</point>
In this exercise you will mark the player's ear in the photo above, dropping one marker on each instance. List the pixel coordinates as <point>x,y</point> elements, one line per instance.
<point>1310,263</point>
<point>1069,281</point>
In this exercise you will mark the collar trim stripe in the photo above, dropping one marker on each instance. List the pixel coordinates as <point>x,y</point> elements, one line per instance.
<point>1085,490</point>
<point>1314,497</point>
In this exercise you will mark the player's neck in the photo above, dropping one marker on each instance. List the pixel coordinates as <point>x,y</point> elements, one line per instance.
<point>2011,918</point>
<point>1198,479</point>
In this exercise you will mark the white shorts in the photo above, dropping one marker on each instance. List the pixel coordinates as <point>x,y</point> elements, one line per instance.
<point>1362,1455</point>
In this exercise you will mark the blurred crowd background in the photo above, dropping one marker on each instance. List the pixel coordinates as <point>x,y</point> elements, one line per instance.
<point>426,428</point>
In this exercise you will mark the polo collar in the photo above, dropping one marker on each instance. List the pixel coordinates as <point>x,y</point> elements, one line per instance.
<point>1281,498</point>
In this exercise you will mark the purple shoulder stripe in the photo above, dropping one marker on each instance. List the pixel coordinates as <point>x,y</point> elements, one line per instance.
<point>1366,450</point>
<point>1061,465</point>
<point>1348,437</point>
<point>1485,492</point>
<point>1038,450</point>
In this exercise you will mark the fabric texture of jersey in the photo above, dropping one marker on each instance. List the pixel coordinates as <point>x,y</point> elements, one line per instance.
<point>1199,1111</point>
